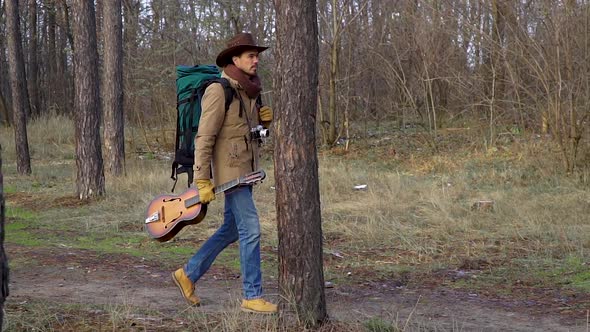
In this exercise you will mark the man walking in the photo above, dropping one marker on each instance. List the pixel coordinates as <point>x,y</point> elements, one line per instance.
<point>225,150</point>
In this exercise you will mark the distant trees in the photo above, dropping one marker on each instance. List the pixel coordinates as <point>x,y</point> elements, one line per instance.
<point>492,65</point>
<point>90,180</point>
<point>301,278</point>
<point>18,85</point>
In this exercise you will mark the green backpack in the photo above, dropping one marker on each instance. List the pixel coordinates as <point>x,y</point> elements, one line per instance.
<point>191,83</point>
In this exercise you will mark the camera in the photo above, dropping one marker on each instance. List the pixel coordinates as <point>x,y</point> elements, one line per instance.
<point>259,132</point>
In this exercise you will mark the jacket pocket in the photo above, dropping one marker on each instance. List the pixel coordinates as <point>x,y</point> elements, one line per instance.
<point>237,152</point>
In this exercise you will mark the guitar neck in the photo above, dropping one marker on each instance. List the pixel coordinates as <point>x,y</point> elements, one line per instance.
<point>226,186</point>
<point>219,189</point>
<point>250,178</point>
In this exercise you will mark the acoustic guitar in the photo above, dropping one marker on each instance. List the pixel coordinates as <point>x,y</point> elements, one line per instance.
<point>168,214</point>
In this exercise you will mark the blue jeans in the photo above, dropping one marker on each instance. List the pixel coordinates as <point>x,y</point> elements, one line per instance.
<point>240,222</point>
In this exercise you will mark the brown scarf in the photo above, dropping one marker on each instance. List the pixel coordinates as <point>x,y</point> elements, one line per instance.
<point>251,84</point>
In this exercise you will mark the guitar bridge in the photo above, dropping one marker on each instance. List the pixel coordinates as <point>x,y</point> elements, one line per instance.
<point>153,218</point>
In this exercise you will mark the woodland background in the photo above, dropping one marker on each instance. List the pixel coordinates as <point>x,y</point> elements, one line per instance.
<point>472,116</point>
<point>495,66</point>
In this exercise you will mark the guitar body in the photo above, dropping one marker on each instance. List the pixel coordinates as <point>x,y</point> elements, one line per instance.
<point>173,214</point>
<point>168,214</point>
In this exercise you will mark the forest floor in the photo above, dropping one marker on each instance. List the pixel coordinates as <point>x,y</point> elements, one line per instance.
<point>143,294</point>
<point>422,260</point>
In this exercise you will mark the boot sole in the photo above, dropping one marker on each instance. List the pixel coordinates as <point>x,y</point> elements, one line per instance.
<point>198,304</point>
<point>258,312</point>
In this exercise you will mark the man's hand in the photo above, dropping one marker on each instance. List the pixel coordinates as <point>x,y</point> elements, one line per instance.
<point>206,193</point>
<point>265,114</point>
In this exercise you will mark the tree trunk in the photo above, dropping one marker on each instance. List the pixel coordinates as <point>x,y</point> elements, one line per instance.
<point>90,176</point>
<point>4,85</point>
<point>33,66</point>
<point>301,278</point>
<point>334,60</point>
<point>112,88</point>
<point>131,27</point>
<point>3,258</point>
<point>51,61</point>
<point>4,114</point>
<point>18,85</point>
<point>63,68</point>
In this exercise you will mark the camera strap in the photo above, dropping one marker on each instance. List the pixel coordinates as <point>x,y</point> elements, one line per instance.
<point>248,137</point>
<point>245,110</point>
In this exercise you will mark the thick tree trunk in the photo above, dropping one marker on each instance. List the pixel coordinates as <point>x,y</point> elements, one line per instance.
<point>18,85</point>
<point>301,278</point>
<point>112,88</point>
<point>90,176</point>
<point>3,258</point>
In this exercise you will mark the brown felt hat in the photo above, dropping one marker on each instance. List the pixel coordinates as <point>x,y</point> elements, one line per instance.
<point>235,46</point>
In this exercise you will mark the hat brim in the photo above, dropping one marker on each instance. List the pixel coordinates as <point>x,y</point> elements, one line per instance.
<point>224,57</point>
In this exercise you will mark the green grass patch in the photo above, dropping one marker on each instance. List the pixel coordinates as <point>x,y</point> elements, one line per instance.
<point>9,189</point>
<point>21,214</point>
<point>18,232</point>
<point>573,272</point>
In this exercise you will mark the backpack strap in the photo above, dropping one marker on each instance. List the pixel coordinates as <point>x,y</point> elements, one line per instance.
<point>227,88</point>
<point>196,96</point>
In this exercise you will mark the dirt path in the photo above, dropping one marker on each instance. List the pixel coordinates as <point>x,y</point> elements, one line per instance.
<point>76,276</point>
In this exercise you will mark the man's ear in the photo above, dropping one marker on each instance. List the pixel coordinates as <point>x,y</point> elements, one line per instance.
<point>234,58</point>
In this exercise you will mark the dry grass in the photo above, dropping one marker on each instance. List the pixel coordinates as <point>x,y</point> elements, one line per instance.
<point>416,212</point>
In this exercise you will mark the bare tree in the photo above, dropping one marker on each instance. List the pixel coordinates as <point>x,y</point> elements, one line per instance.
<point>112,88</point>
<point>90,176</point>
<point>50,61</point>
<point>18,85</point>
<point>3,259</point>
<point>65,44</point>
<point>5,117</point>
<point>301,278</point>
<point>32,79</point>
<point>336,22</point>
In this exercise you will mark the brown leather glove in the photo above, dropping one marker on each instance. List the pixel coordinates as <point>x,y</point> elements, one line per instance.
<point>206,193</point>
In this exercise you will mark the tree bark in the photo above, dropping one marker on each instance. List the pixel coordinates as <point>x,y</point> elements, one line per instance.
<point>112,88</point>
<point>90,175</point>
<point>301,278</point>
<point>18,85</point>
<point>3,259</point>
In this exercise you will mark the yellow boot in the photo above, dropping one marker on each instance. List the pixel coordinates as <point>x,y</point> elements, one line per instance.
<point>258,306</point>
<point>186,286</point>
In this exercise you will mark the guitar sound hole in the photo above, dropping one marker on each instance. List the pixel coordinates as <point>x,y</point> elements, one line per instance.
<point>174,220</point>
<point>166,200</point>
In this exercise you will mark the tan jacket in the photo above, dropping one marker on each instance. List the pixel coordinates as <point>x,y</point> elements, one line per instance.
<point>223,147</point>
